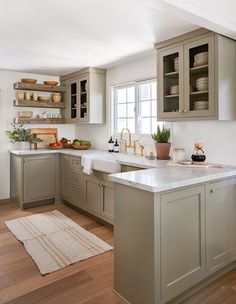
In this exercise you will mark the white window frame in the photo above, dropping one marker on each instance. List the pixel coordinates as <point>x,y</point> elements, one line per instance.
<point>137,102</point>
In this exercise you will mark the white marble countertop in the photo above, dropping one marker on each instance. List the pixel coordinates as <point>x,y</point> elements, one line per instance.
<point>156,178</point>
<point>167,178</point>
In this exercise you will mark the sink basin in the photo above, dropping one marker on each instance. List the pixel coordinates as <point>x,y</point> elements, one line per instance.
<point>107,165</point>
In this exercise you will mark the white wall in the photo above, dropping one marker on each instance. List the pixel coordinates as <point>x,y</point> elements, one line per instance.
<point>136,70</point>
<point>7,112</point>
<point>218,137</point>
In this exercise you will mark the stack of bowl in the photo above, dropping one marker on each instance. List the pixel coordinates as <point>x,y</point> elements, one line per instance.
<point>202,83</point>
<point>176,64</point>
<point>200,105</point>
<point>200,59</point>
<point>174,90</point>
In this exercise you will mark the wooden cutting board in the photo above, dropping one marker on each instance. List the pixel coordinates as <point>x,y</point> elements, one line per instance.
<point>48,135</point>
<point>205,165</point>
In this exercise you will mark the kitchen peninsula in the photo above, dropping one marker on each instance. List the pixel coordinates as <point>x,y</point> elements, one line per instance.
<point>166,219</point>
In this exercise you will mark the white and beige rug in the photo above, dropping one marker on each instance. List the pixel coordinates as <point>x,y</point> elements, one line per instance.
<point>54,241</point>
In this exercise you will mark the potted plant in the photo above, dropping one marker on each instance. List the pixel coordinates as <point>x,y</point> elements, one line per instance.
<point>161,138</point>
<point>19,136</point>
<point>34,140</point>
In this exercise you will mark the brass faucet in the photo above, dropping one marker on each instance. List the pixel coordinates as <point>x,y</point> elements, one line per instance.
<point>129,144</point>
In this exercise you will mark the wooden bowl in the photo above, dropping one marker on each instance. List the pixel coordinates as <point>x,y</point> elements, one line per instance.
<point>55,148</point>
<point>50,82</point>
<point>80,147</point>
<point>29,80</point>
<point>67,145</point>
<point>44,98</point>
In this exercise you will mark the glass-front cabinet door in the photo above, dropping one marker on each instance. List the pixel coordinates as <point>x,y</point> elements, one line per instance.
<point>83,98</point>
<point>170,83</point>
<point>199,78</point>
<point>73,100</point>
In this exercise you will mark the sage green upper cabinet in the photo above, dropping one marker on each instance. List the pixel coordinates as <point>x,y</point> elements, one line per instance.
<point>221,224</point>
<point>196,75</point>
<point>85,96</point>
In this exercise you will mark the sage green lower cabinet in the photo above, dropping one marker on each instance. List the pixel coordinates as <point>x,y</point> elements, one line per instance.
<point>166,243</point>
<point>65,173</point>
<point>34,178</point>
<point>182,240</point>
<point>221,223</point>
<point>98,196</point>
<point>107,201</point>
<point>71,180</point>
<point>92,193</point>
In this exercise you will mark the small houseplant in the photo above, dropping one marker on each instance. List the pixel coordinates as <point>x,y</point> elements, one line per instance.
<point>161,138</point>
<point>22,137</point>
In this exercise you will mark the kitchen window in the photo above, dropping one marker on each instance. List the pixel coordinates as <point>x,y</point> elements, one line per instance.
<point>135,107</point>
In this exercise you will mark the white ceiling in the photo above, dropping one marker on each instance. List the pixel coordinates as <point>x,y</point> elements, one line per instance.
<point>58,36</point>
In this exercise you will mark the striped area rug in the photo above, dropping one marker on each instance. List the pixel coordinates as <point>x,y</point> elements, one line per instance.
<point>54,241</point>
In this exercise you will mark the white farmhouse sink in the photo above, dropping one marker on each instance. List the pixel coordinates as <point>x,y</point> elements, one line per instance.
<point>106,164</point>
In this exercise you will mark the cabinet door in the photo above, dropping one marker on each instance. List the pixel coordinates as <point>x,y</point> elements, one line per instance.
<point>107,201</point>
<point>73,100</point>
<point>199,73</point>
<point>221,223</point>
<point>38,177</point>
<point>92,194</point>
<point>83,99</point>
<point>170,83</point>
<point>66,178</point>
<point>182,240</point>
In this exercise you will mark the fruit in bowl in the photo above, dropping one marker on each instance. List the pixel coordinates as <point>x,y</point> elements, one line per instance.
<point>55,146</point>
<point>81,144</point>
<point>66,143</point>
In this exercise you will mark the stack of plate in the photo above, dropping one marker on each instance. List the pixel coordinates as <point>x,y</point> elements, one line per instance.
<point>202,83</point>
<point>200,59</point>
<point>176,64</point>
<point>200,105</point>
<point>174,90</point>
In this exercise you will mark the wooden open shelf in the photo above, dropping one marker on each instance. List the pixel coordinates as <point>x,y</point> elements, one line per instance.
<point>22,121</point>
<point>38,87</point>
<point>39,104</point>
<point>171,96</point>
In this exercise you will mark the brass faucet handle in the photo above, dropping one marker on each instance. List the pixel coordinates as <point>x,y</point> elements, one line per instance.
<point>141,149</point>
<point>135,146</point>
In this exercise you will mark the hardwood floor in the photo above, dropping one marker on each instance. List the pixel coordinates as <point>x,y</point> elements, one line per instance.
<point>88,281</point>
<point>85,282</point>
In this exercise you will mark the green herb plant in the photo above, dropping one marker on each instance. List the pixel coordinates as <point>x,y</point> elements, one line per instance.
<point>20,134</point>
<point>162,135</point>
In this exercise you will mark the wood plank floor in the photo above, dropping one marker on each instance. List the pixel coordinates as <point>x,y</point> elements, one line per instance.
<point>85,282</point>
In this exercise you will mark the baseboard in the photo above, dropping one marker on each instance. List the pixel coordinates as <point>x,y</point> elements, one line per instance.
<point>196,288</point>
<point>120,296</point>
<point>5,200</point>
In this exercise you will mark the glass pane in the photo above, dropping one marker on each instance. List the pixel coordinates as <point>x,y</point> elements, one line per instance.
<point>171,82</point>
<point>121,110</point>
<point>145,108</point>
<point>154,108</point>
<point>130,94</point>
<point>131,125</point>
<point>121,123</point>
<point>154,125</point>
<point>121,95</point>
<point>130,109</point>
<point>154,90</point>
<point>144,90</point>
<point>145,125</point>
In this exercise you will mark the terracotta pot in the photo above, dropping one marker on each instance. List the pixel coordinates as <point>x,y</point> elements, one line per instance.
<point>163,150</point>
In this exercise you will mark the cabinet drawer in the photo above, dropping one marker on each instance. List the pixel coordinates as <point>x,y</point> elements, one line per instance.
<point>76,163</point>
<point>77,197</point>
<point>76,178</point>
